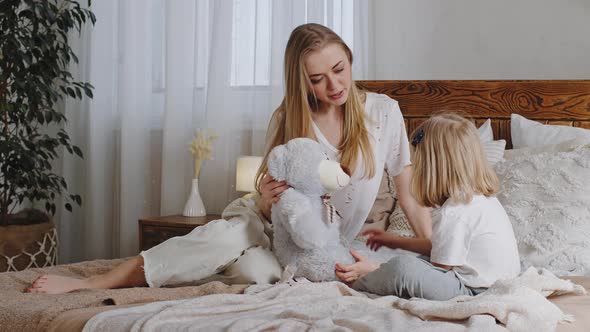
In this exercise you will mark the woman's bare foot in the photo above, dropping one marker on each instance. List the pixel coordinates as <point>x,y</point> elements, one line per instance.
<point>52,284</point>
<point>127,274</point>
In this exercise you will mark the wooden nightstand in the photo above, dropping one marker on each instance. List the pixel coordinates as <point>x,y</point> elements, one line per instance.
<point>153,231</point>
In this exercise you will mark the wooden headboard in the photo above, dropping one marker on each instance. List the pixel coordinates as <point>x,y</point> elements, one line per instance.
<point>563,102</point>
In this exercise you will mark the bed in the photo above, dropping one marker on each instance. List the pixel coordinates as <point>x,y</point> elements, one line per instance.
<point>563,102</point>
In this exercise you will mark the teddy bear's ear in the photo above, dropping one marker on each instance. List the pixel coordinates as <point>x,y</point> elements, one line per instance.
<point>277,163</point>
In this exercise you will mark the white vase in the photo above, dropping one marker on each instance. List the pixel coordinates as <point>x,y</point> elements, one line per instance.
<point>194,205</point>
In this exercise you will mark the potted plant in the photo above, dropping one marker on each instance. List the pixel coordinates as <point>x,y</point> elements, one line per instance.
<point>34,78</point>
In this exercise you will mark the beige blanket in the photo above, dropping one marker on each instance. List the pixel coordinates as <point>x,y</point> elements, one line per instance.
<point>33,312</point>
<point>519,304</point>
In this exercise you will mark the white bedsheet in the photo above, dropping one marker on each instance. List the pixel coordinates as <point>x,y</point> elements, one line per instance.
<point>520,305</point>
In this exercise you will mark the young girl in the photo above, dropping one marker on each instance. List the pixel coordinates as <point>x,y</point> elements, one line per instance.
<point>364,131</point>
<point>472,244</point>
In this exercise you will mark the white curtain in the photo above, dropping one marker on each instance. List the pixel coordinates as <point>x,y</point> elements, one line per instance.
<point>161,70</point>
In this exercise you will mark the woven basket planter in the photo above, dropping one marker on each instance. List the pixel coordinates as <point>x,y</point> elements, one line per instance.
<point>28,246</point>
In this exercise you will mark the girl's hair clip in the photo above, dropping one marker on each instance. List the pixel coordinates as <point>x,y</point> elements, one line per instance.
<point>418,137</point>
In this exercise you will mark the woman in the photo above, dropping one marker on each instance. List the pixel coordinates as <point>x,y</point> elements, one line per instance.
<point>364,131</point>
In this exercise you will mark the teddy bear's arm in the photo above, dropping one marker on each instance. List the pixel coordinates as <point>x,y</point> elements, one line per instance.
<point>302,221</point>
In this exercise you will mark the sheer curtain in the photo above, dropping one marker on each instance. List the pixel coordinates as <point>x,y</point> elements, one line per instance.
<point>162,69</point>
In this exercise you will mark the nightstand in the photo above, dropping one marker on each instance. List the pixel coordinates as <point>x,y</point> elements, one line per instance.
<point>153,231</point>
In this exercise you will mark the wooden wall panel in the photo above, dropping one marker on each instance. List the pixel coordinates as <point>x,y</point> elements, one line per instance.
<point>562,102</point>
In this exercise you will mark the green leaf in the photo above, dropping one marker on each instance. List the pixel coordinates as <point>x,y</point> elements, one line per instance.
<point>71,92</point>
<point>78,151</point>
<point>88,92</point>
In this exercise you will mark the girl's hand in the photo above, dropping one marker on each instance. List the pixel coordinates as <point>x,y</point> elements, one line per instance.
<point>378,238</point>
<point>350,273</point>
<point>270,191</point>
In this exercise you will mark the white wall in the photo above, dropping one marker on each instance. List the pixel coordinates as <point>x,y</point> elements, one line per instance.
<point>481,39</point>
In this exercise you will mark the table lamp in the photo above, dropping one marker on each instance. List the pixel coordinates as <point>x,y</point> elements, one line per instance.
<point>246,169</point>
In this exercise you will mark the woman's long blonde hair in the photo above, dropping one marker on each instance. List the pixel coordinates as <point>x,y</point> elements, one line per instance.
<point>449,162</point>
<point>292,119</point>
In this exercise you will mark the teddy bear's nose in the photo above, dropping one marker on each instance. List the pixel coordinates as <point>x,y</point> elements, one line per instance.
<point>345,169</point>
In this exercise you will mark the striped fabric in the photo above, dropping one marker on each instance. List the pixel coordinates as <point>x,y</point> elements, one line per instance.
<point>494,150</point>
<point>331,212</point>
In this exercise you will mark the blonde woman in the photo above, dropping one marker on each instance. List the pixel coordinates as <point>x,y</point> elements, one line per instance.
<point>364,131</point>
<point>473,244</point>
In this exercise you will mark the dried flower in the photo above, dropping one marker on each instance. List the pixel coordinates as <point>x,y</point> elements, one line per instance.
<point>201,147</point>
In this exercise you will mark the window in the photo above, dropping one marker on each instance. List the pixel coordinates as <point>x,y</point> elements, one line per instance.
<point>252,28</point>
<point>251,36</point>
<point>250,65</point>
<point>202,42</point>
<point>158,46</point>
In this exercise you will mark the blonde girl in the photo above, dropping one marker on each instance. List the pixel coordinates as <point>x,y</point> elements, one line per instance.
<point>473,244</point>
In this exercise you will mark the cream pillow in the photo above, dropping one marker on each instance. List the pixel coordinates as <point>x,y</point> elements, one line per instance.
<point>529,133</point>
<point>547,198</point>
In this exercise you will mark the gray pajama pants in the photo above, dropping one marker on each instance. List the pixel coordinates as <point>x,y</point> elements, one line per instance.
<point>408,276</point>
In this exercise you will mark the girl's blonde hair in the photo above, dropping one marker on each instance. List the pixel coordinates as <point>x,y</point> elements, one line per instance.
<point>449,162</point>
<point>292,119</point>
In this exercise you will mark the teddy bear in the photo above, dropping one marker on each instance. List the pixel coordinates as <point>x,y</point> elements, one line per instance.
<point>306,226</point>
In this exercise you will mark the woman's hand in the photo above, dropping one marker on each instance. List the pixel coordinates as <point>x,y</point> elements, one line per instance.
<point>350,273</point>
<point>270,191</point>
<point>378,238</point>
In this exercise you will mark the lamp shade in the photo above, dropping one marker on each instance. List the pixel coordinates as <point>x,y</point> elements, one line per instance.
<point>246,169</point>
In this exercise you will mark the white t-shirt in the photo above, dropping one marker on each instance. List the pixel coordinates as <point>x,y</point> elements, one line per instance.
<point>477,238</point>
<point>391,151</point>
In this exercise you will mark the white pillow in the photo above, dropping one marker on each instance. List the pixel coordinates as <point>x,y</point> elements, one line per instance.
<point>528,133</point>
<point>485,132</point>
<point>547,198</point>
<point>494,149</point>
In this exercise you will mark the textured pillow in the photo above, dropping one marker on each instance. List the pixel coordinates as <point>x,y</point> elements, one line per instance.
<point>547,197</point>
<point>528,133</point>
<point>398,223</point>
<point>561,147</point>
<point>382,208</point>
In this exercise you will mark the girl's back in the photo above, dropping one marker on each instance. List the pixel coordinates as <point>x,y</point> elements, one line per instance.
<point>477,238</point>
